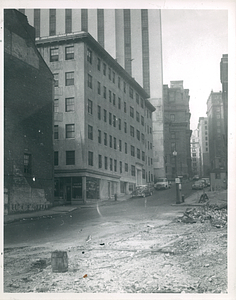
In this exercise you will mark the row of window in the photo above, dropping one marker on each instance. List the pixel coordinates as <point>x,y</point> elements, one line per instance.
<point>70,133</point>
<point>102,162</point>
<point>69,54</point>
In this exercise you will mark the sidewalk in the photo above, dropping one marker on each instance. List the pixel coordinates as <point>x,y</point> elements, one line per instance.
<point>64,209</point>
<point>218,197</point>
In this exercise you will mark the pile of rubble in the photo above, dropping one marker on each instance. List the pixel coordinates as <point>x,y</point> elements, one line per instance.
<point>215,214</point>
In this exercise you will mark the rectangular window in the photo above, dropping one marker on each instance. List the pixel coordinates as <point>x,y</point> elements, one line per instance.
<point>37,22</point>
<point>69,52</point>
<point>70,158</point>
<point>55,132</point>
<point>138,134</point>
<point>126,148</point>
<point>70,104</point>
<point>173,146</point>
<point>132,131</point>
<point>56,105</point>
<point>109,96</point>
<point>110,118</point>
<point>132,150</point>
<point>52,22</point>
<point>114,143</point>
<point>143,139</point>
<point>99,161</point>
<point>119,82</point>
<point>120,166</point>
<point>132,170</point>
<point>105,138</point>
<point>125,127</point>
<point>115,165</point>
<point>106,161</point>
<point>110,141</point>
<point>104,115</point>
<point>119,122</point>
<point>172,118</point>
<point>70,131</point>
<point>109,73</point>
<point>114,121</point>
<point>125,107</point>
<point>27,163</point>
<point>173,135</point>
<point>99,64</point>
<point>55,158</point>
<point>142,102</point>
<point>90,132</point>
<point>68,21</point>
<point>143,156</point>
<point>119,103</point>
<point>126,167</point>
<point>69,78</point>
<point>114,99</point>
<point>90,106</point>
<point>131,92</point>
<point>99,136</point>
<point>90,158</point>
<point>131,112</point>
<point>142,120</point>
<point>124,87</point>
<point>104,92</point>
<point>104,69</point>
<point>54,54</point>
<point>90,81</point>
<point>113,77</point>
<point>137,116</point>
<point>56,79</point>
<point>89,55</point>
<point>111,164</point>
<point>138,153</point>
<point>120,145</point>
<point>143,173</point>
<point>99,112</point>
<point>99,88</point>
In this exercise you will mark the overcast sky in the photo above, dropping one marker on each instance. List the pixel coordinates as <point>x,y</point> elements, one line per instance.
<point>193,44</point>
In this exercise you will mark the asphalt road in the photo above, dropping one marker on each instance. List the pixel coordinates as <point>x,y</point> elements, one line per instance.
<point>78,224</point>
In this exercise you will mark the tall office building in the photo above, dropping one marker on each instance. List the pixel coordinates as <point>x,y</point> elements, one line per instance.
<point>131,36</point>
<point>204,146</point>
<point>195,153</point>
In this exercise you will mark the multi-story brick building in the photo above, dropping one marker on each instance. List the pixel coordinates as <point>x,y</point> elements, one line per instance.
<point>28,119</point>
<point>102,121</point>
<point>204,146</point>
<point>217,146</point>
<point>132,37</point>
<point>177,131</point>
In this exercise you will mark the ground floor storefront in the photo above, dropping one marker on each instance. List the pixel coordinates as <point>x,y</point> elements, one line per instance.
<point>77,189</point>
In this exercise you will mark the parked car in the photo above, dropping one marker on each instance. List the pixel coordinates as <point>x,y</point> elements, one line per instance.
<point>162,183</point>
<point>142,191</point>
<point>198,185</point>
<point>195,177</point>
<point>207,180</point>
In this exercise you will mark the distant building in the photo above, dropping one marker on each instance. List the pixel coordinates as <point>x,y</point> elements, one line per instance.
<point>204,146</point>
<point>132,37</point>
<point>217,147</point>
<point>103,139</point>
<point>177,131</point>
<point>28,119</point>
<point>196,153</point>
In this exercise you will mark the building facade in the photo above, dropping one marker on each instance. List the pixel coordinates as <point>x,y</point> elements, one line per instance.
<point>217,147</point>
<point>224,82</point>
<point>131,36</point>
<point>196,154</point>
<point>204,147</point>
<point>177,131</point>
<point>102,121</point>
<point>28,119</point>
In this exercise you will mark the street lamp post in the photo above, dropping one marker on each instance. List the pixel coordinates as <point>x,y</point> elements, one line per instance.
<point>177,180</point>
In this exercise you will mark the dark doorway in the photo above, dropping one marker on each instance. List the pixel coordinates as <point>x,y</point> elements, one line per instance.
<point>68,194</point>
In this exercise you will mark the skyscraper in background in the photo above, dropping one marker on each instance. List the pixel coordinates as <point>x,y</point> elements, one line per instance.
<point>131,36</point>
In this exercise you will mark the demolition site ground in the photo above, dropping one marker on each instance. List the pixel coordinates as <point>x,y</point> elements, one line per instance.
<point>179,251</point>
